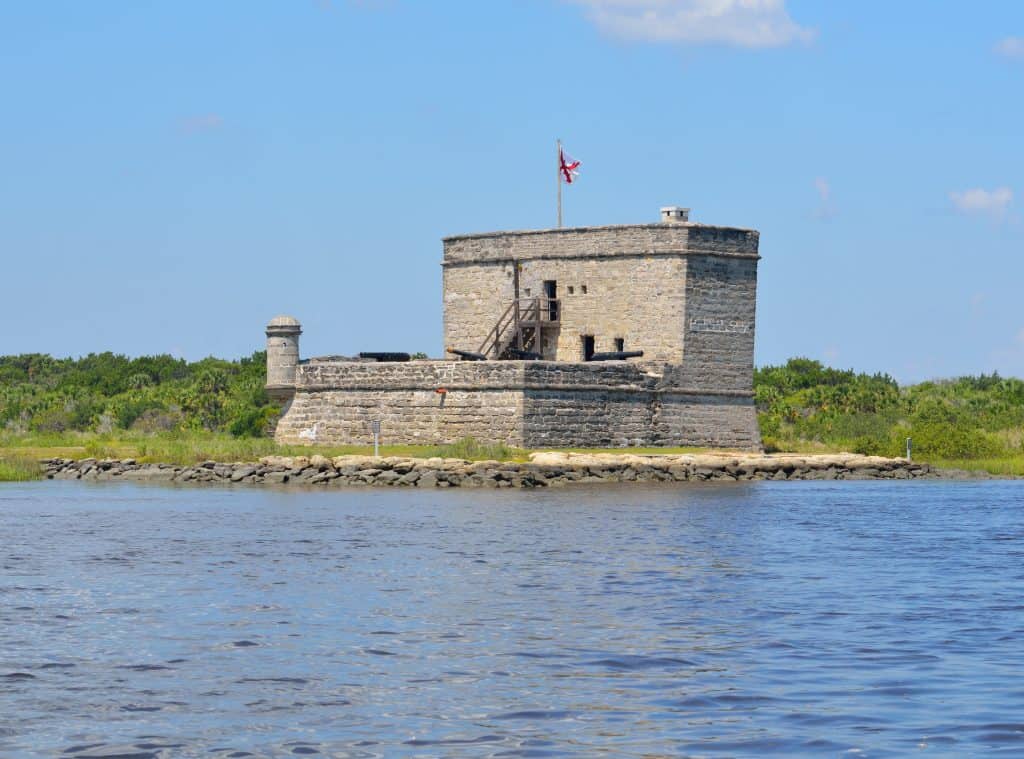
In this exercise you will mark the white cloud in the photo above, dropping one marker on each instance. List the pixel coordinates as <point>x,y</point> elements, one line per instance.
<point>824,189</point>
<point>1010,47</point>
<point>744,23</point>
<point>826,210</point>
<point>202,123</point>
<point>978,201</point>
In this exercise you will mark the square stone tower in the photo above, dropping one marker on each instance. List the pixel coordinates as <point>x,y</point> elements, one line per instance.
<point>681,292</point>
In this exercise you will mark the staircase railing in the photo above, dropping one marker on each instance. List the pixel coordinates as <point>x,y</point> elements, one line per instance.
<point>494,337</point>
<point>522,315</point>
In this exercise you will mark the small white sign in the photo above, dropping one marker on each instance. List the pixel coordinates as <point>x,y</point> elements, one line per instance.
<point>722,326</point>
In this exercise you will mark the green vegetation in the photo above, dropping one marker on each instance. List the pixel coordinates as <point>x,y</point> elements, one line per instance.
<point>158,408</point>
<point>968,422</point>
<point>471,449</point>
<point>186,448</point>
<point>19,469</point>
<point>104,393</point>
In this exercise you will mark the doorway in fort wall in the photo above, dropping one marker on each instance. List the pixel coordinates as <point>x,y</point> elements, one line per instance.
<point>549,344</point>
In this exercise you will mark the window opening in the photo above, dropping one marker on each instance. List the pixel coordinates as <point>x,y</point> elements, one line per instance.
<point>588,347</point>
<point>551,293</point>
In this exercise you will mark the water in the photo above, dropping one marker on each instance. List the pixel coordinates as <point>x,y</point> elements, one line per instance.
<point>818,619</point>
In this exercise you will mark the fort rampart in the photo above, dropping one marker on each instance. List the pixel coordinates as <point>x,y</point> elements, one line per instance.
<point>531,404</point>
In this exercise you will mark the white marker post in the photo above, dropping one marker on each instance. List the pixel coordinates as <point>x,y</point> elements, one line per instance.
<point>375,426</point>
<point>910,445</point>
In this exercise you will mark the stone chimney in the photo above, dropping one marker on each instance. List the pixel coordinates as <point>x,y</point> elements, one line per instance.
<point>674,215</point>
<point>282,356</point>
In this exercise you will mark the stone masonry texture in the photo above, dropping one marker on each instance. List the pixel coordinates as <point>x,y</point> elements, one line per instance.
<point>531,404</point>
<point>683,293</point>
<point>628,282</point>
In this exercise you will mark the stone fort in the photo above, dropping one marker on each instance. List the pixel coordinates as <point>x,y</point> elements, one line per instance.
<point>548,326</point>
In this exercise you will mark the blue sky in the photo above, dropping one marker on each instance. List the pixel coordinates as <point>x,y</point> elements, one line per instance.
<point>176,173</point>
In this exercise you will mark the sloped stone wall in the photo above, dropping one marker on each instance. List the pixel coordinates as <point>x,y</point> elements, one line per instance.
<point>528,404</point>
<point>713,421</point>
<point>335,403</point>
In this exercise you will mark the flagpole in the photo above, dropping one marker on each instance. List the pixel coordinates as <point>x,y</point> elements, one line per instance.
<point>558,179</point>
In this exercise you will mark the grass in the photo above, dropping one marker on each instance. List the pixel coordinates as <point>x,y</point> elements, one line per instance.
<point>640,451</point>
<point>193,448</point>
<point>19,454</point>
<point>19,469</point>
<point>473,450</point>
<point>1010,465</point>
<point>798,445</point>
<point>1001,466</point>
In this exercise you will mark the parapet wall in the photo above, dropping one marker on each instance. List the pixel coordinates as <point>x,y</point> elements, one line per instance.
<point>530,404</point>
<point>596,242</point>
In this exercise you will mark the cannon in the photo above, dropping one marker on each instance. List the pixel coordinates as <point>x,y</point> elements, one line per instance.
<point>389,357</point>
<point>467,355</point>
<point>616,356</point>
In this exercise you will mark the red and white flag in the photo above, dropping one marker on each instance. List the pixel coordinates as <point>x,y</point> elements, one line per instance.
<point>567,166</point>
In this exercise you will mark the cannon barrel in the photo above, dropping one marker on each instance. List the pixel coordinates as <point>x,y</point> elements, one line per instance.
<point>468,355</point>
<point>616,355</point>
<point>382,356</point>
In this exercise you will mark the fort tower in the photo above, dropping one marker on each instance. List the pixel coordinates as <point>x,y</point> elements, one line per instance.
<point>282,356</point>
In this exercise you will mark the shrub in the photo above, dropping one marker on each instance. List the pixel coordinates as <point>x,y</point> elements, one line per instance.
<point>156,420</point>
<point>52,420</point>
<point>253,422</point>
<point>953,441</point>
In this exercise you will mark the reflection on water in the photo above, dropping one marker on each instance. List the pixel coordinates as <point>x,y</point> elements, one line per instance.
<point>767,618</point>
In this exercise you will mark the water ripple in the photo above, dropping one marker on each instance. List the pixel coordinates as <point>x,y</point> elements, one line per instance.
<point>763,619</point>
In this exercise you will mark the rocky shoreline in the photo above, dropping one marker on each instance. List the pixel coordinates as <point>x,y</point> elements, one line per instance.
<point>543,470</point>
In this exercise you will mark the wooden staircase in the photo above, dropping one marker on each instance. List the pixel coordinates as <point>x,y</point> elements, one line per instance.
<point>522,326</point>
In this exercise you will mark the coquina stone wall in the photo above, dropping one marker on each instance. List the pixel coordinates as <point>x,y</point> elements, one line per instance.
<point>719,324</point>
<point>336,402</point>
<point>588,405</point>
<point>626,282</point>
<point>606,301</point>
<point>533,404</point>
<point>717,421</point>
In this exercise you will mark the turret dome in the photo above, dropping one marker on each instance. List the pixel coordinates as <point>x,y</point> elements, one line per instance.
<point>284,321</point>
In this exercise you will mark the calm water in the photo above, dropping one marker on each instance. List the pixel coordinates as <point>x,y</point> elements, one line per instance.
<point>819,619</point>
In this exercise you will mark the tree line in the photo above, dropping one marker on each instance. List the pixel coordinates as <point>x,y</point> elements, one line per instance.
<point>802,404</point>
<point>105,392</point>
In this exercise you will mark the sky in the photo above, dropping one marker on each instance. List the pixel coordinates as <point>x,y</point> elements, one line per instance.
<point>174,174</point>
